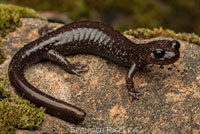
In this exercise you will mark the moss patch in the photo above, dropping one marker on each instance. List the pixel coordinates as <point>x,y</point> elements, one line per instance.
<point>10,19</point>
<point>2,84</point>
<point>2,56</point>
<point>146,33</point>
<point>16,112</point>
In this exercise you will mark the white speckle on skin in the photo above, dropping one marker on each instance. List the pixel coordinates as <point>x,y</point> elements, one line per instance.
<point>102,38</point>
<point>98,35</point>
<point>76,34</point>
<point>82,33</point>
<point>131,70</point>
<point>106,40</point>
<point>70,36</point>
<point>92,34</point>
<point>87,34</point>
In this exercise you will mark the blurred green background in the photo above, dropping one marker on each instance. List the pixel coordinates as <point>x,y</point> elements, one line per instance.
<point>179,15</point>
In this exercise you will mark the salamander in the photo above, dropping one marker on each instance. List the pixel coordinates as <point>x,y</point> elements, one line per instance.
<point>85,37</point>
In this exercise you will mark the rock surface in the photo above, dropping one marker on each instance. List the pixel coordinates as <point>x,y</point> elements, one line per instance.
<point>170,102</point>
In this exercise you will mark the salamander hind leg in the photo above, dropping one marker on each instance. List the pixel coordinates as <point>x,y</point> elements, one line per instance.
<point>73,68</point>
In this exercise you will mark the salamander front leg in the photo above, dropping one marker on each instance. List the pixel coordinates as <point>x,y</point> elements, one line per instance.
<point>133,94</point>
<point>75,68</point>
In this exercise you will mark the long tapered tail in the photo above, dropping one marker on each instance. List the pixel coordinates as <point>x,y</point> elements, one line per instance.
<point>53,106</point>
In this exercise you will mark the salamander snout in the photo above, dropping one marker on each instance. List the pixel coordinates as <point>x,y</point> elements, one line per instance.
<point>163,52</point>
<point>175,44</point>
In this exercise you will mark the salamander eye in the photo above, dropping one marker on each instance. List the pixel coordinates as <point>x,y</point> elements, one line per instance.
<point>176,44</point>
<point>159,53</point>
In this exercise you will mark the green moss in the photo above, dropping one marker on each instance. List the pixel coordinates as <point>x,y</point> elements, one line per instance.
<point>16,112</point>
<point>2,53</point>
<point>10,18</point>
<point>146,33</point>
<point>4,94</point>
<point>2,56</point>
<point>2,84</point>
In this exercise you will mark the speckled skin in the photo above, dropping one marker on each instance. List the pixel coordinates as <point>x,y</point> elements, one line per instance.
<point>85,38</point>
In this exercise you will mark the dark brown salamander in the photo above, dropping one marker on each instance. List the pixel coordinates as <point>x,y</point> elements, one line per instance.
<point>85,38</point>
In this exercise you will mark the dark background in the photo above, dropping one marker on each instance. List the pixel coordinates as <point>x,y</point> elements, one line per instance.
<point>179,15</point>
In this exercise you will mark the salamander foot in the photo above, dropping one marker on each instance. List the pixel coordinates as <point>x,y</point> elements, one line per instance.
<point>78,68</point>
<point>133,95</point>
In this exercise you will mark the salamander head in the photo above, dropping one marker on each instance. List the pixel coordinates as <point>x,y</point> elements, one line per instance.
<point>162,52</point>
